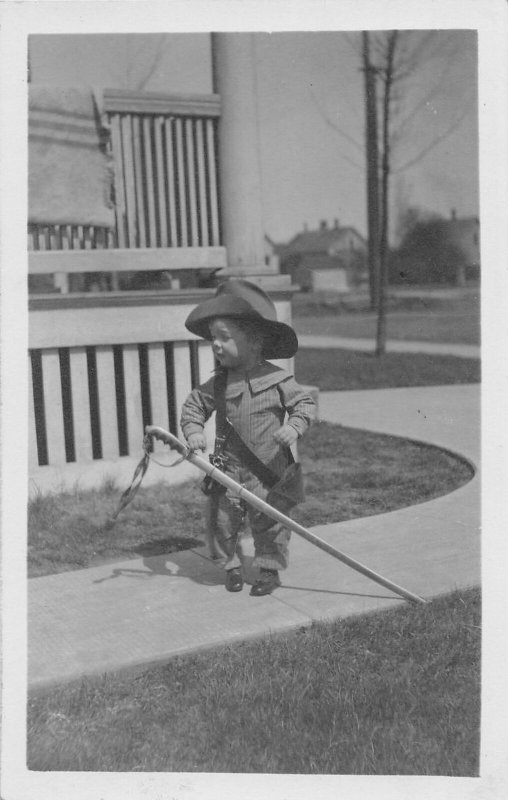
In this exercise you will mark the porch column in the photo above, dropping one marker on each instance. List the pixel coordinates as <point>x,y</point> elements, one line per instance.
<point>234,77</point>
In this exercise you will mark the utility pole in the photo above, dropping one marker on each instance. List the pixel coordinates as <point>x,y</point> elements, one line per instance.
<point>371,141</point>
<point>385,180</point>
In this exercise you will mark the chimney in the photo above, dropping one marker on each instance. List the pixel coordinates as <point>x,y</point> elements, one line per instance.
<point>454,214</point>
<point>336,223</point>
<point>323,225</point>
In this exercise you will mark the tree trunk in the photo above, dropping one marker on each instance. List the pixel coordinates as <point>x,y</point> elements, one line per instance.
<point>385,185</point>
<point>372,171</point>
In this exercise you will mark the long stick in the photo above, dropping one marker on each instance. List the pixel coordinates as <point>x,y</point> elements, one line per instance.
<point>275,514</point>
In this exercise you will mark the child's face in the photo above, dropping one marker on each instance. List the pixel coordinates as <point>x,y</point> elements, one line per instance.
<point>232,346</point>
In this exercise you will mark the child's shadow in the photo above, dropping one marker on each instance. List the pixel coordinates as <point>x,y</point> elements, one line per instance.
<point>192,563</point>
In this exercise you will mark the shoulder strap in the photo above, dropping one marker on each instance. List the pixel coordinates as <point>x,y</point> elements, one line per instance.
<point>219,391</point>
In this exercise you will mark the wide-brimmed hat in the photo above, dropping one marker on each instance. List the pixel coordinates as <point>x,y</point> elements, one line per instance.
<point>241,299</point>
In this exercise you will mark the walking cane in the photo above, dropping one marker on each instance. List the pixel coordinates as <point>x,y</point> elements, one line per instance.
<point>273,513</point>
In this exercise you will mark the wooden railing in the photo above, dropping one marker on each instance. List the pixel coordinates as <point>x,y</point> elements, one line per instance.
<point>70,237</point>
<point>164,150</point>
<point>102,364</point>
<point>101,368</point>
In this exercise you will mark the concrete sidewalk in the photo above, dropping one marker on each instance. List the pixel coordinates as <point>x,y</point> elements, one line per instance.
<point>136,612</point>
<point>392,346</point>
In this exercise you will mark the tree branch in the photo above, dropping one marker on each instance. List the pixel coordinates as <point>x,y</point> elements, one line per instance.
<point>159,51</point>
<point>339,132</point>
<point>441,137</point>
<point>433,92</point>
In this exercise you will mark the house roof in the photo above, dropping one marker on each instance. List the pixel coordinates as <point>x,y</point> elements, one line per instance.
<point>319,241</point>
<point>461,223</point>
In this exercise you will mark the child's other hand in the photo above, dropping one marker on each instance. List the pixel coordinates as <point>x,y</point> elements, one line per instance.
<point>197,441</point>
<point>286,435</point>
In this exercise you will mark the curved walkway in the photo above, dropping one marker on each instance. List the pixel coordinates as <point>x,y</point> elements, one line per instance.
<point>136,612</point>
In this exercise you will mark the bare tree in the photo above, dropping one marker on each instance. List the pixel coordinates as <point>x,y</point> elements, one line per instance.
<point>405,75</point>
<point>388,77</point>
<point>371,153</point>
<point>394,59</point>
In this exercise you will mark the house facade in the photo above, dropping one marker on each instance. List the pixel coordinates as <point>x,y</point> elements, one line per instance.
<point>463,233</point>
<point>330,258</point>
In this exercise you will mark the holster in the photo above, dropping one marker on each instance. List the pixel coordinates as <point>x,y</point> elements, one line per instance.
<point>211,487</point>
<point>289,490</point>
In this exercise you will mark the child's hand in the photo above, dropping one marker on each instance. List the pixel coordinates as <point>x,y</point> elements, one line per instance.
<point>197,441</point>
<point>286,435</point>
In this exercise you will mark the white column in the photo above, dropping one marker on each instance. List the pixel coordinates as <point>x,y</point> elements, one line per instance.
<point>238,151</point>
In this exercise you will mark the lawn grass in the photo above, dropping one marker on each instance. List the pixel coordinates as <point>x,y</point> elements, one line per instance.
<point>411,326</point>
<point>455,320</point>
<point>391,693</point>
<point>348,473</point>
<point>338,369</point>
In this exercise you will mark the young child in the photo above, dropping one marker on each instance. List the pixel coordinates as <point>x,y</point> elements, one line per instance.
<point>252,398</point>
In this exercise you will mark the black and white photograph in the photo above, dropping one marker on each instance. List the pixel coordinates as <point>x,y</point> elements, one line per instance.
<point>253,262</point>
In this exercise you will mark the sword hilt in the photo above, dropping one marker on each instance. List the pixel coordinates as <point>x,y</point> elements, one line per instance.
<point>168,438</point>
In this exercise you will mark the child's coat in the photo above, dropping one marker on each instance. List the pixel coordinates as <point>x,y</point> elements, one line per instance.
<point>256,407</point>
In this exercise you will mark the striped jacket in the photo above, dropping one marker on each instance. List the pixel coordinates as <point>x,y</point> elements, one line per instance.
<point>256,407</point>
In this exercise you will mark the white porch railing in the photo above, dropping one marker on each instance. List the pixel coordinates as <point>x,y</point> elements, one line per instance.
<point>101,368</point>
<point>164,149</point>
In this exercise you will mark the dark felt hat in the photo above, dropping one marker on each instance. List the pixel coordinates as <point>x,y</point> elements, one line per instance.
<point>241,299</point>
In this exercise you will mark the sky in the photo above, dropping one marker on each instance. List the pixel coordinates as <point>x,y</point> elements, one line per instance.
<point>311,117</point>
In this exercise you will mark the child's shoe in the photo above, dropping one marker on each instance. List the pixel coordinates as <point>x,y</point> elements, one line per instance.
<point>234,580</point>
<point>266,583</point>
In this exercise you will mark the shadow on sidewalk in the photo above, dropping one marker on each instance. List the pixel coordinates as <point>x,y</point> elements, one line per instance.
<point>338,591</point>
<point>190,564</point>
<point>199,568</point>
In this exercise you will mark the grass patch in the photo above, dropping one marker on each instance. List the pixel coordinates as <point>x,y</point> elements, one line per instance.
<point>338,369</point>
<point>424,299</point>
<point>425,318</point>
<point>348,473</point>
<point>392,693</point>
<point>71,530</point>
<point>423,327</point>
<point>352,473</point>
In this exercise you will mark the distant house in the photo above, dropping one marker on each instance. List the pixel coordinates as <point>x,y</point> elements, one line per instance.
<point>463,233</point>
<point>327,259</point>
<point>271,256</point>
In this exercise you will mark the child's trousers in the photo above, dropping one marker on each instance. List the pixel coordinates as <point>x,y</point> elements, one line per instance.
<point>225,516</point>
